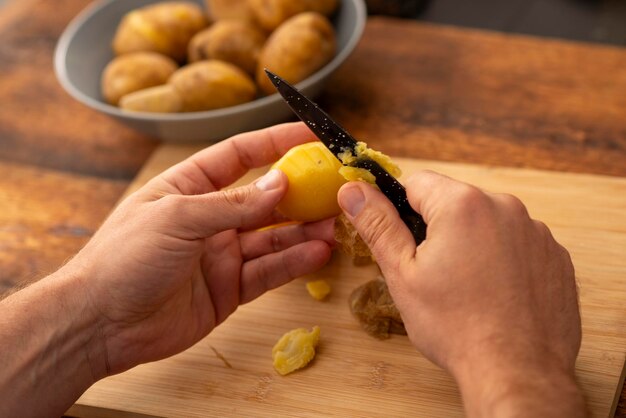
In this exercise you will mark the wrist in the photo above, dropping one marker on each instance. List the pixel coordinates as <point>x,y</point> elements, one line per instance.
<point>84,326</point>
<point>50,349</point>
<point>518,382</point>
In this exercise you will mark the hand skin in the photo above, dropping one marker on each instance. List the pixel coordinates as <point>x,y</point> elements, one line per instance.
<point>172,262</point>
<point>489,295</point>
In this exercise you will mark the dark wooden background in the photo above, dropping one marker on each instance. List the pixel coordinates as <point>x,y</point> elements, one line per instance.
<point>410,89</point>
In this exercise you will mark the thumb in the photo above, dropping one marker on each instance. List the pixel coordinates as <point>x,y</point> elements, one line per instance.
<point>378,223</point>
<point>201,216</point>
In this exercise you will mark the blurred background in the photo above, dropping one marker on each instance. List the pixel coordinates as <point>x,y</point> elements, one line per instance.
<point>601,21</point>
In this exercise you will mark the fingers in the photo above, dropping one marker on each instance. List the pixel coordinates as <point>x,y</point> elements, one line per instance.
<point>273,270</point>
<point>201,216</point>
<point>430,193</point>
<point>378,223</point>
<point>258,243</point>
<point>223,163</point>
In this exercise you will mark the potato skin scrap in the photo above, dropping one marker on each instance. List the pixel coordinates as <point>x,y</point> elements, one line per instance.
<point>373,306</point>
<point>348,239</point>
<point>318,289</point>
<point>295,349</point>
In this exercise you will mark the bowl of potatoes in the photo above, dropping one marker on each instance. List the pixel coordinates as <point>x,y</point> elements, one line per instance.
<point>185,71</point>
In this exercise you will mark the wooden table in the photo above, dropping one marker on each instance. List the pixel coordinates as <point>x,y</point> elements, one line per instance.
<point>409,89</point>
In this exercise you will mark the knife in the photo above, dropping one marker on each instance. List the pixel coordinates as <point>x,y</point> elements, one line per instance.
<point>339,141</point>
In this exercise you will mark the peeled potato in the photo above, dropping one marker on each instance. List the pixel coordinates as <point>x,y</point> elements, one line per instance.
<point>213,84</point>
<point>233,41</point>
<point>298,48</point>
<point>270,14</point>
<point>314,181</point>
<point>160,99</point>
<point>132,72</point>
<point>163,27</point>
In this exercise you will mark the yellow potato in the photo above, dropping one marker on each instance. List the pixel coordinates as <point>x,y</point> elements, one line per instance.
<point>160,99</point>
<point>163,27</point>
<point>229,9</point>
<point>132,72</point>
<point>295,349</point>
<point>233,41</point>
<point>213,84</point>
<point>298,48</point>
<point>270,14</point>
<point>314,181</point>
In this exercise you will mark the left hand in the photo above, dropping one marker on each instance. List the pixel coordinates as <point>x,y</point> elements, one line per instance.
<point>177,257</point>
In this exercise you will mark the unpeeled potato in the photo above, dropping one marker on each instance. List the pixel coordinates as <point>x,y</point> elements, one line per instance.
<point>270,14</point>
<point>212,84</point>
<point>229,9</point>
<point>163,27</point>
<point>132,72</point>
<point>233,41</point>
<point>298,48</point>
<point>159,99</point>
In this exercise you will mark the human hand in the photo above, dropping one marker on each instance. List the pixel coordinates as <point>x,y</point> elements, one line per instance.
<point>177,257</point>
<point>489,295</point>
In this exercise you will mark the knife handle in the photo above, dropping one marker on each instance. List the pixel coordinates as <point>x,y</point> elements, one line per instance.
<point>396,193</point>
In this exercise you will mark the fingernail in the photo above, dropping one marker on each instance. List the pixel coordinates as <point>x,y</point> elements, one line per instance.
<point>270,181</point>
<point>352,200</point>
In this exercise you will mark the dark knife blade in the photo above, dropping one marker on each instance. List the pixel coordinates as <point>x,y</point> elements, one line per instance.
<point>338,141</point>
<point>333,135</point>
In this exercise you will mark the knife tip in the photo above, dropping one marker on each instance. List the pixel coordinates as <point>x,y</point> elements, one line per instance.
<point>273,77</point>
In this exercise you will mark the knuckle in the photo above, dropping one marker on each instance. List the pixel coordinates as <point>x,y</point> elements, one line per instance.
<point>513,204</point>
<point>471,197</point>
<point>236,197</point>
<point>376,226</point>
<point>276,241</point>
<point>172,204</point>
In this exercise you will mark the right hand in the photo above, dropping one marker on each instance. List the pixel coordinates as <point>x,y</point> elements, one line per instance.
<point>489,295</point>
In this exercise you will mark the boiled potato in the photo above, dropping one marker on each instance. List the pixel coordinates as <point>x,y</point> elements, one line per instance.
<point>229,9</point>
<point>272,13</point>
<point>163,27</point>
<point>133,72</point>
<point>212,84</point>
<point>298,48</point>
<point>160,99</point>
<point>314,180</point>
<point>233,41</point>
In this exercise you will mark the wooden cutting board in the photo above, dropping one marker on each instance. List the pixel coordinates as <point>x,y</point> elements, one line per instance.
<point>229,373</point>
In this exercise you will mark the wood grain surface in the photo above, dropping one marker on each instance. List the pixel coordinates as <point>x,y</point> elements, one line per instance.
<point>356,375</point>
<point>409,89</point>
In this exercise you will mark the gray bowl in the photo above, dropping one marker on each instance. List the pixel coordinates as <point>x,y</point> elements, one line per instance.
<point>84,50</point>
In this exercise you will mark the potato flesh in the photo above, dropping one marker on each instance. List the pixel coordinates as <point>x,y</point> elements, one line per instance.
<point>160,99</point>
<point>318,289</point>
<point>362,151</point>
<point>314,181</point>
<point>295,349</point>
